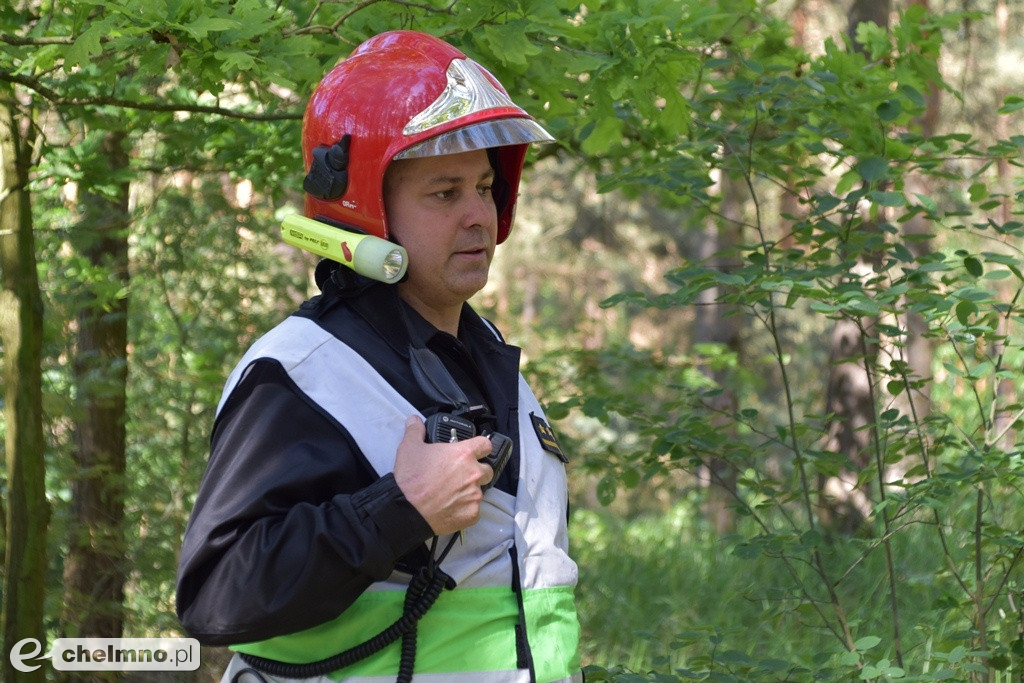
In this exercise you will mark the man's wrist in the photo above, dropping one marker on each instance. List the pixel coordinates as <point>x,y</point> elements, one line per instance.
<point>400,524</point>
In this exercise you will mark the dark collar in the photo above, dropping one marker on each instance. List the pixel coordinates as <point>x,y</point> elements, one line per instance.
<point>383,309</point>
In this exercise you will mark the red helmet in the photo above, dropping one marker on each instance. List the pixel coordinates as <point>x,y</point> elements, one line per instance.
<point>404,94</point>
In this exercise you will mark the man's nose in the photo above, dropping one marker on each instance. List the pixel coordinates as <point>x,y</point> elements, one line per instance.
<point>480,210</point>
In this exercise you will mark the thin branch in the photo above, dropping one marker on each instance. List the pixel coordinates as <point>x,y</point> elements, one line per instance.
<point>998,366</point>
<point>1006,577</point>
<point>923,445</point>
<point>1009,425</point>
<point>886,521</point>
<point>318,29</point>
<point>979,576</point>
<point>973,385</point>
<point>846,636</point>
<point>840,631</point>
<point>873,547</point>
<point>59,100</point>
<point>41,40</point>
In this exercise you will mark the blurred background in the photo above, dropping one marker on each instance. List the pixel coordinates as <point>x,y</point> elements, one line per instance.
<point>767,284</point>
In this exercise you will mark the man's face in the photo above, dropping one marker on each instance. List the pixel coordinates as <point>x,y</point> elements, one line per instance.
<point>441,210</point>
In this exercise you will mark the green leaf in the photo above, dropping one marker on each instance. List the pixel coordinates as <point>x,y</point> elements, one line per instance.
<point>85,47</point>
<point>747,551</point>
<point>1011,104</point>
<point>242,61</point>
<point>973,266</point>
<point>630,478</point>
<point>866,643</point>
<point>204,25</point>
<point>902,253</point>
<point>889,110</point>
<point>516,47</point>
<point>557,411</point>
<point>927,202</point>
<point>675,114</point>
<point>811,538</point>
<point>887,198</point>
<point>912,94</point>
<point>873,169</point>
<point>846,182</point>
<point>977,191</point>
<point>957,654</point>
<point>964,311</point>
<point>607,488</point>
<point>607,131</point>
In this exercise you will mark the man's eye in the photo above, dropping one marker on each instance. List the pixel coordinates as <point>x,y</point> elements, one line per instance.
<point>484,190</point>
<point>445,194</point>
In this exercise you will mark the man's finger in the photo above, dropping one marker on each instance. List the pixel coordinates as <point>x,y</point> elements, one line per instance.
<point>414,427</point>
<point>481,446</point>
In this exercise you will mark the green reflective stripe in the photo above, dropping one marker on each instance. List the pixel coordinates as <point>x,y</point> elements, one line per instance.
<point>468,629</point>
<point>553,631</point>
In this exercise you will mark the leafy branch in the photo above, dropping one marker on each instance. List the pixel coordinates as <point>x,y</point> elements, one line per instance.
<point>58,100</point>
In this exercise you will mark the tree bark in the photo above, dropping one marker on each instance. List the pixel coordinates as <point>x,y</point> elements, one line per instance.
<point>917,349</point>
<point>96,567</point>
<point>715,325</point>
<point>866,10</point>
<point>1005,390</point>
<point>849,405</point>
<point>21,331</point>
<point>849,402</point>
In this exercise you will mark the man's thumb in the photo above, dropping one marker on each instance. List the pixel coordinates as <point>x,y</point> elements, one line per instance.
<point>414,427</point>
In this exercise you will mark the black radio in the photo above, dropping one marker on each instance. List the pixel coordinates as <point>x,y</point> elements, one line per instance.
<point>449,428</point>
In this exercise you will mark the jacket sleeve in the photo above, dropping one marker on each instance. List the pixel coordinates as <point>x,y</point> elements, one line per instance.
<point>291,524</point>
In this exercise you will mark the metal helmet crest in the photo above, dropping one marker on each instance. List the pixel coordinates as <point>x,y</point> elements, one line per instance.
<point>400,95</point>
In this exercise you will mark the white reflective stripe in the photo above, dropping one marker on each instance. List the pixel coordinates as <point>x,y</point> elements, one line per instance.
<point>238,665</point>
<point>541,506</point>
<point>279,343</point>
<point>372,412</point>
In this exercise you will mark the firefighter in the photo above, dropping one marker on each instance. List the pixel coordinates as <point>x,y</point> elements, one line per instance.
<point>333,536</point>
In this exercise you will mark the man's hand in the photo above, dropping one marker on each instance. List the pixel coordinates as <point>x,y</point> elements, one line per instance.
<point>442,480</point>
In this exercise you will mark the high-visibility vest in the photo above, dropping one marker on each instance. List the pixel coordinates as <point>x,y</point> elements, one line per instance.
<point>513,571</point>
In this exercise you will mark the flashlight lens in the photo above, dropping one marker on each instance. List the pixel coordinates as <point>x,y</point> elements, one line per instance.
<point>393,264</point>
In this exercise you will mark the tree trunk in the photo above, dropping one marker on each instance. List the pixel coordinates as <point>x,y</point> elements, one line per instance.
<point>1005,390</point>
<point>866,10</point>
<point>714,325</point>
<point>96,566</point>
<point>917,350</point>
<point>849,402</point>
<point>845,506</point>
<point>21,331</point>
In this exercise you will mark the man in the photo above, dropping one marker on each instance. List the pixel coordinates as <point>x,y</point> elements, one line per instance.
<point>329,538</point>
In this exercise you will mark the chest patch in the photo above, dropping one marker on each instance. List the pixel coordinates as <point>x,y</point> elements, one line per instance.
<point>548,441</point>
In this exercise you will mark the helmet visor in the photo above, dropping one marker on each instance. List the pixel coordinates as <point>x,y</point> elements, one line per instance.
<point>483,135</point>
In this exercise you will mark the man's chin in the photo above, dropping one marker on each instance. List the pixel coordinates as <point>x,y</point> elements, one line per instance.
<point>469,284</point>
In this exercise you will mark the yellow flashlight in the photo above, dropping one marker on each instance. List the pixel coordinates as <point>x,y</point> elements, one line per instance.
<point>368,255</point>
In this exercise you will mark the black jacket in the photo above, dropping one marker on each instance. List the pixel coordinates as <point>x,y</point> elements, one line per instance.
<point>291,523</point>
